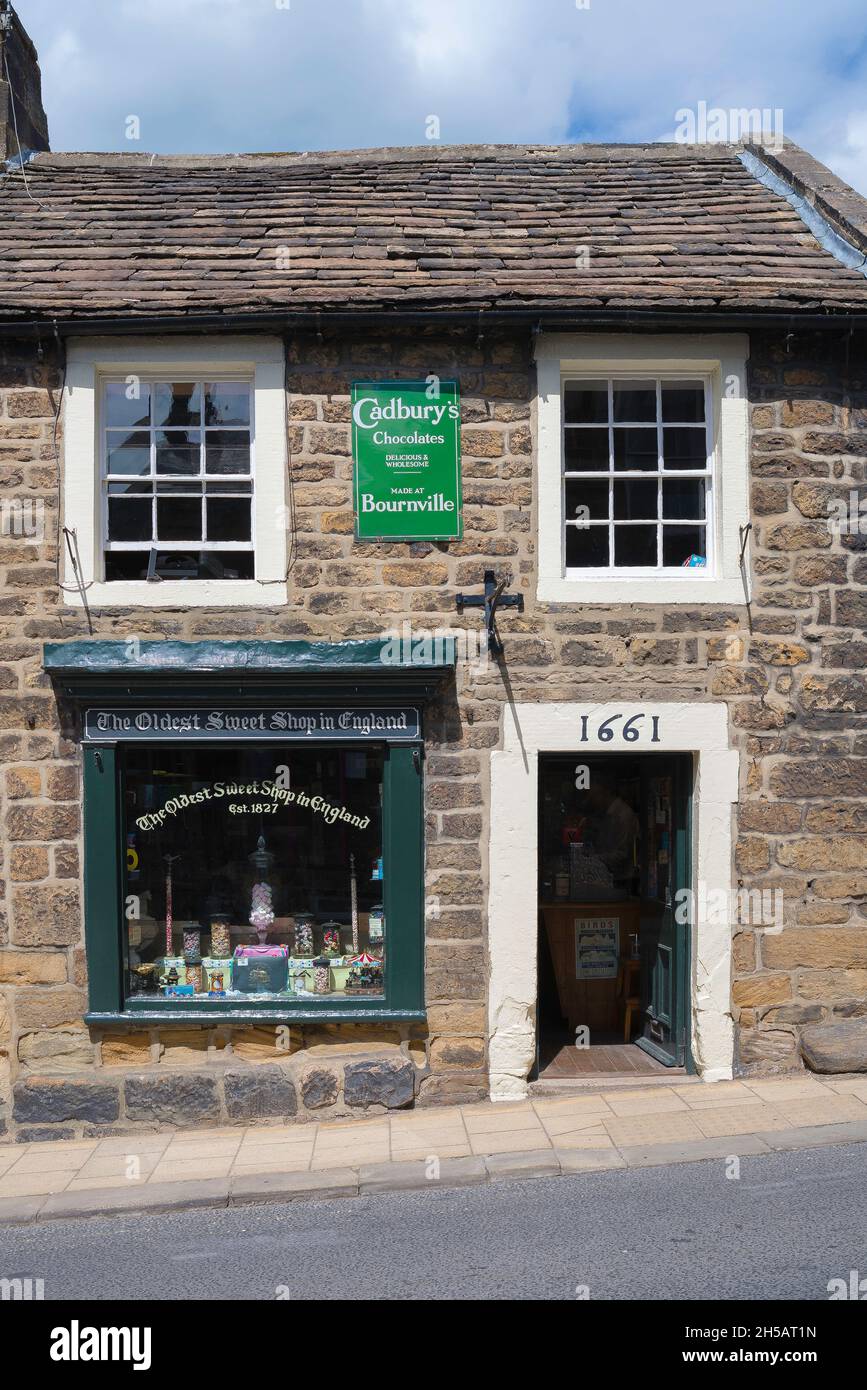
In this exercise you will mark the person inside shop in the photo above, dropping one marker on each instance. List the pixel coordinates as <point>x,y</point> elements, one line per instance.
<point>615,829</point>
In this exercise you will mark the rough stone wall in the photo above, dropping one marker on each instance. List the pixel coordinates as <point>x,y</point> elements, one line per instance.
<point>791,672</point>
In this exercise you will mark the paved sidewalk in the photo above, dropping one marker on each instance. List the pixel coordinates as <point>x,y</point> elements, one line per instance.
<point>452,1146</point>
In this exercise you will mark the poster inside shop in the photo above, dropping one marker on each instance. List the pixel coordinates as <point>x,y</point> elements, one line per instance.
<point>597,948</point>
<point>406,450</point>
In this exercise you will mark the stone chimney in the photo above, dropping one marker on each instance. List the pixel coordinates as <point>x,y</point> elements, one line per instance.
<point>21,84</point>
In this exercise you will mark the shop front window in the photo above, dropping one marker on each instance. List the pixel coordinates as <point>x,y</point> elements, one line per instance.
<point>253,872</point>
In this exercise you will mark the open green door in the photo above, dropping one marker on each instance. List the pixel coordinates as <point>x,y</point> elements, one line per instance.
<point>665,939</point>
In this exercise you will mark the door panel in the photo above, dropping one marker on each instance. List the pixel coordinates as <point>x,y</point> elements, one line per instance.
<point>665,940</point>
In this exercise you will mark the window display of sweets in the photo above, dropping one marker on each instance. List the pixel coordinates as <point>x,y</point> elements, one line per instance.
<point>221,945</point>
<point>194,975</point>
<point>303,934</point>
<point>217,975</point>
<point>331,939</point>
<point>312,880</point>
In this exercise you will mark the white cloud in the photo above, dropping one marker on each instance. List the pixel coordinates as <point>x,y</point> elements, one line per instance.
<point>215,75</point>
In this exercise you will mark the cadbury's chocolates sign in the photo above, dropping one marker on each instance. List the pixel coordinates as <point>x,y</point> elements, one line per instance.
<point>209,725</point>
<point>406,449</point>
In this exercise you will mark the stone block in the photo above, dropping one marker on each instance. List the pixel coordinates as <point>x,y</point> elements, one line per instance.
<point>32,967</point>
<point>28,863</point>
<point>23,783</point>
<point>256,1093</point>
<point>256,1044</point>
<point>835,694</point>
<point>835,1047</point>
<point>48,1008</point>
<point>756,990</point>
<point>452,1088</point>
<point>45,1100</point>
<point>56,1050</point>
<point>817,947</point>
<point>386,1081</point>
<point>457,1019</point>
<point>176,1098</point>
<point>832,985</point>
<point>184,1047</point>
<point>46,916</point>
<point>457,1053</point>
<point>319,1088</point>
<point>126,1050</point>
<point>771,1048</point>
<point>40,822</point>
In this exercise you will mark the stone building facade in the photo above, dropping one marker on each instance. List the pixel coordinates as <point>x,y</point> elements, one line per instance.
<point>790,673</point>
<point>785,668</point>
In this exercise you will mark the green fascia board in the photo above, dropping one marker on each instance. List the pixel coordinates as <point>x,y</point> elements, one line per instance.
<point>255,658</point>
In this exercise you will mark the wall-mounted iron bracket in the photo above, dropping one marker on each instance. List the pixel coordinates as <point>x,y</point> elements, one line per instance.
<point>492,599</point>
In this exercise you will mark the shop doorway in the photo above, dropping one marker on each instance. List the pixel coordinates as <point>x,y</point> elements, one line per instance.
<point>613,866</point>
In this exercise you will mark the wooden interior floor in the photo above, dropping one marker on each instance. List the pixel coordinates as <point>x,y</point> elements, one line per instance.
<point>560,1059</point>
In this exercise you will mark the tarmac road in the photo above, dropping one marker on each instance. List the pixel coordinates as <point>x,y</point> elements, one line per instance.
<point>783,1229</point>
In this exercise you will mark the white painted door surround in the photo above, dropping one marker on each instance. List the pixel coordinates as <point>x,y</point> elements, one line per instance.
<point>531,729</point>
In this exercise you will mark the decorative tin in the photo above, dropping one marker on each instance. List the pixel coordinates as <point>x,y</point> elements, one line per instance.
<point>216,975</point>
<point>260,969</point>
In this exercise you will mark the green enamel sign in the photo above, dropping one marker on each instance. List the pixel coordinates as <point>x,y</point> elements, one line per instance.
<point>406,447</point>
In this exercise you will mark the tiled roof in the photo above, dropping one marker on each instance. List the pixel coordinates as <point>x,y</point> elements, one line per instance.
<point>657,227</point>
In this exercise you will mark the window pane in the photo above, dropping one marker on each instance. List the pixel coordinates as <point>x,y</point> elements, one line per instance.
<point>190,487</point>
<point>122,410</point>
<point>126,564</point>
<point>228,519</point>
<point>127,452</point>
<point>586,493</point>
<point>227,403</point>
<point>634,545</point>
<point>129,519</point>
<point>179,519</point>
<point>178,451</point>
<point>585,403</point>
<point>684,448</point>
<point>683,497</point>
<point>261,885</point>
<point>681,543</point>
<point>177,403</point>
<point>635,449</point>
<point>586,451</point>
<point>238,488</point>
<point>227,451</point>
<point>635,501</point>
<point>683,402</point>
<point>127,489</point>
<point>634,401</point>
<point>586,547</point>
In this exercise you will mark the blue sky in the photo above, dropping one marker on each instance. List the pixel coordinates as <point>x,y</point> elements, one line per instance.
<point>230,75</point>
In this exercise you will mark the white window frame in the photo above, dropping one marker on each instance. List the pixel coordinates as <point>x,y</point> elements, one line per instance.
<point>721,362</point>
<point>91,361</point>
